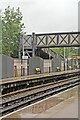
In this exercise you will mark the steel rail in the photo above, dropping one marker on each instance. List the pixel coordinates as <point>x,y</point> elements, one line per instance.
<point>11,87</point>
<point>29,99</point>
<point>21,93</point>
<point>36,87</point>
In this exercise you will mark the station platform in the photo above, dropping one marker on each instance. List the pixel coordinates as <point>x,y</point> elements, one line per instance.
<point>35,76</point>
<point>66,107</point>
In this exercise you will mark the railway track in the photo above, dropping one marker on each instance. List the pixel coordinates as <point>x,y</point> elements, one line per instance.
<point>16,84</point>
<point>22,93</point>
<point>15,100</point>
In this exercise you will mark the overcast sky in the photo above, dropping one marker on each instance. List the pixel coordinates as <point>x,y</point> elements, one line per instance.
<point>41,16</point>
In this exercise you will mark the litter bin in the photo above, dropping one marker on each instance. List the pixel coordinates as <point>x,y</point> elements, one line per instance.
<point>37,70</point>
<point>58,69</point>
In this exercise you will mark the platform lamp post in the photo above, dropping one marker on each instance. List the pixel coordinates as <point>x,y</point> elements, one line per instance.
<point>64,59</point>
<point>10,45</point>
<point>49,59</point>
<point>20,50</point>
<point>79,57</point>
<point>49,62</point>
<point>33,44</point>
<point>19,45</point>
<point>75,55</point>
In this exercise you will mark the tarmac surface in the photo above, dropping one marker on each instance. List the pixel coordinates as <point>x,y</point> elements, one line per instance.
<point>67,108</point>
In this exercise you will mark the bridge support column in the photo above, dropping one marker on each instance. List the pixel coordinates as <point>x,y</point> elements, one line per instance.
<point>56,64</point>
<point>79,31</point>
<point>36,62</point>
<point>33,44</point>
<point>79,58</point>
<point>70,64</point>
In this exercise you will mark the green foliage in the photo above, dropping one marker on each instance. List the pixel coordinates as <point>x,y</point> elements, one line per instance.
<point>69,51</point>
<point>11,27</point>
<point>59,50</point>
<point>0,34</point>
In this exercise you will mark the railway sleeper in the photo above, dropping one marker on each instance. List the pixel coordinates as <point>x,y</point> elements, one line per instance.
<point>9,88</point>
<point>41,97</point>
<point>40,93</point>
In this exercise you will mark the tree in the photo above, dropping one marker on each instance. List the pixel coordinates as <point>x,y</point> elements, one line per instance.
<point>68,51</point>
<point>0,33</point>
<point>11,27</point>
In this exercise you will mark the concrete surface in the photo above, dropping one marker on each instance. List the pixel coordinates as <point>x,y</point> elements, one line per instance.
<point>67,109</point>
<point>63,105</point>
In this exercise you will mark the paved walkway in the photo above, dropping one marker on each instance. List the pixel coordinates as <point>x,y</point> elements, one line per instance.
<point>66,109</point>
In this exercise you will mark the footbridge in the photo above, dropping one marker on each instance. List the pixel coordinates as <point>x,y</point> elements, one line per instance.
<point>38,47</point>
<point>30,43</point>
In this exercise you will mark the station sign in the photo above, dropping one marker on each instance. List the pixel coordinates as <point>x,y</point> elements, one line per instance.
<point>74,57</point>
